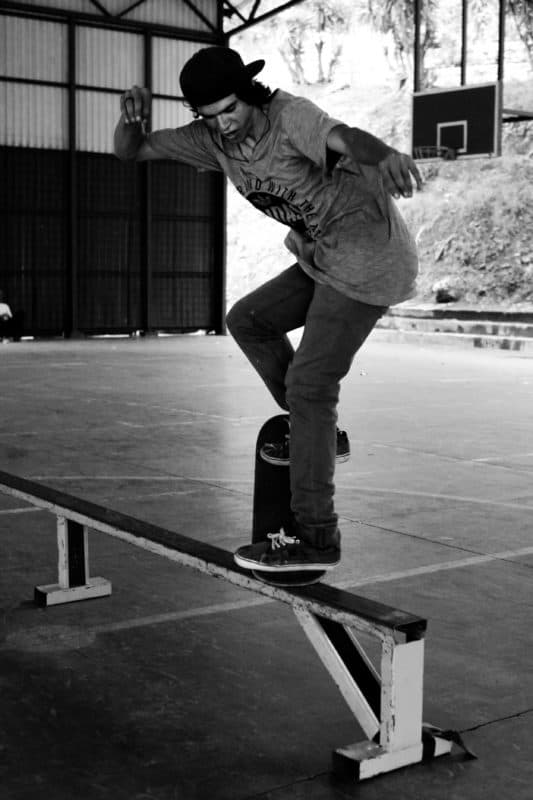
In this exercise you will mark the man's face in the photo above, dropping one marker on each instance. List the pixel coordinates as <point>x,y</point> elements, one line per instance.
<point>230,116</point>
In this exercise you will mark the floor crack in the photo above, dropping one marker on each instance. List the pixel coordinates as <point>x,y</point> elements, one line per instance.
<point>481,725</point>
<point>290,785</point>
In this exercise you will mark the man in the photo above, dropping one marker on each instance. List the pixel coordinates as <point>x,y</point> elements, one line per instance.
<point>332,186</point>
<point>6,320</point>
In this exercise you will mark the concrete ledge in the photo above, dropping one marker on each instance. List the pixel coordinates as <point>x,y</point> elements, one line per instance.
<point>454,325</point>
<point>510,343</point>
<point>517,330</point>
<point>524,314</point>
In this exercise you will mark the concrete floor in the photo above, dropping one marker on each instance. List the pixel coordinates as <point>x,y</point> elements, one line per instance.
<point>181,687</point>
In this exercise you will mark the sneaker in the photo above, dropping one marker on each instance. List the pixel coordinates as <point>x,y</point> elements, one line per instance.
<point>278,453</point>
<point>282,553</point>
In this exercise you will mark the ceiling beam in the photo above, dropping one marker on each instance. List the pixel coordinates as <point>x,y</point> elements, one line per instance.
<point>254,20</point>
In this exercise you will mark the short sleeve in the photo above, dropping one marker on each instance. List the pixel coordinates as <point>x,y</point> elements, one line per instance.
<point>307,128</point>
<point>190,144</point>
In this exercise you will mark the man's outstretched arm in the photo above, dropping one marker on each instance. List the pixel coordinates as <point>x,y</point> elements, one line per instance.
<point>396,168</point>
<point>130,140</point>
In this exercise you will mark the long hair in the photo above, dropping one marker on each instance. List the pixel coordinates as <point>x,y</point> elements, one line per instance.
<point>254,94</point>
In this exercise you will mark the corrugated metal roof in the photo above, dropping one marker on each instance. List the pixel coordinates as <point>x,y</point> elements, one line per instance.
<point>175,13</point>
<point>83,6</point>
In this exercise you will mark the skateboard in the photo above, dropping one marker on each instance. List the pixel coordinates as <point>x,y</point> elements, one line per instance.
<point>272,504</point>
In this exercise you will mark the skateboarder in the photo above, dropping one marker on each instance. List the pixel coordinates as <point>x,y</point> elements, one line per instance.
<point>332,185</point>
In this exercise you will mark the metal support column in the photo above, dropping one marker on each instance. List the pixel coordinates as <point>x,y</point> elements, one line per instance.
<point>221,222</point>
<point>464,42</point>
<point>501,38</point>
<point>220,266</point>
<point>145,205</point>
<point>416,51</point>
<point>70,315</point>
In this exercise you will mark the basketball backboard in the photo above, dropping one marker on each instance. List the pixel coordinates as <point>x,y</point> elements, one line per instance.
<point>463,122</point>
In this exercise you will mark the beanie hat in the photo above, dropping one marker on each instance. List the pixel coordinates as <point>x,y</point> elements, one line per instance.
<point>214,73</point>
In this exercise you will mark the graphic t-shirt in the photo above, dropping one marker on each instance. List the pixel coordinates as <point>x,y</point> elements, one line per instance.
<point>345,230</point>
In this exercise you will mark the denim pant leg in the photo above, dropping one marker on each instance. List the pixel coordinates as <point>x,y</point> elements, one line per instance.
<point>335,328</point>
<point>260,321</point>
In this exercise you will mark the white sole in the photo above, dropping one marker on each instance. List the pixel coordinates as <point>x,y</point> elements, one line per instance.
<point>277,463</point>
<point>246,564</point>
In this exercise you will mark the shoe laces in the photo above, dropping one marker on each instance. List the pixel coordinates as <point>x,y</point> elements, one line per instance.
<point>281,540</point>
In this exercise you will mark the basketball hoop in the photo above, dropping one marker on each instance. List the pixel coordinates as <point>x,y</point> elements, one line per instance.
<point>433,151</point>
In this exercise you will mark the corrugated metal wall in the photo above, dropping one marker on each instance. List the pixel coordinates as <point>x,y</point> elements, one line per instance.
<point>35,116</point>
<point>169,56</point>
<point>78,261</point>
<point>33,49</point>
<point>33,235</point>
<point>108,245</point>
<point>110,59</point>
<point>183,246</point>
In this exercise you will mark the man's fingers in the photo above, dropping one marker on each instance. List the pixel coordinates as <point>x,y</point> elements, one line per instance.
<point>393,180</point>
<point>397,171</point>
<point>129,109</point>
<point>127,104</point>
<point>409,168</point>
<point>135,105</point>
<point>416,172</point>
<point>407,184</point>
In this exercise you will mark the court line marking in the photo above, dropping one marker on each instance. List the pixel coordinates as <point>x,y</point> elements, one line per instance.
<point>177,616</point>
<point>163,424</point>
<point>488,461</point>
<point>39,432</point>
<point>37,362</point>
<point>239,605</point>
<point>220,480</point>
<point>348,583</point>
<point>504,457</point>
<point>20,510</point>
<point>432,496</point>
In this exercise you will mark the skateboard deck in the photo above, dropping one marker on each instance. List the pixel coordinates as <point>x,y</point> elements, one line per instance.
<point>272,503</point>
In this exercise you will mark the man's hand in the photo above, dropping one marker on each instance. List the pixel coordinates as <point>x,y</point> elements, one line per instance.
<point>396,170</point>
<point>136,105</point>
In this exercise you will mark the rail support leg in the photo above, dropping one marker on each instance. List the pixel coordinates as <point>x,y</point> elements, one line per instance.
<point>386,705</point>
<point>73,569</point>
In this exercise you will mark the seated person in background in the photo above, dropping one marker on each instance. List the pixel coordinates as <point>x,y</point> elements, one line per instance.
<point>10,324</point>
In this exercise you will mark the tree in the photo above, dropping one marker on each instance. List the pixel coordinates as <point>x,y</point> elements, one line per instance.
<point>522,11</point>
<point>316,26</point>
<point>396,18</point>
<point>331,18</point>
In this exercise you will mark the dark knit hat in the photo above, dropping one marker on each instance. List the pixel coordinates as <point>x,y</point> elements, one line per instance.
<point>214,73</point>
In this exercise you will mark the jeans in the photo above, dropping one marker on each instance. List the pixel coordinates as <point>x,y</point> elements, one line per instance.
<point>305,382</point>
